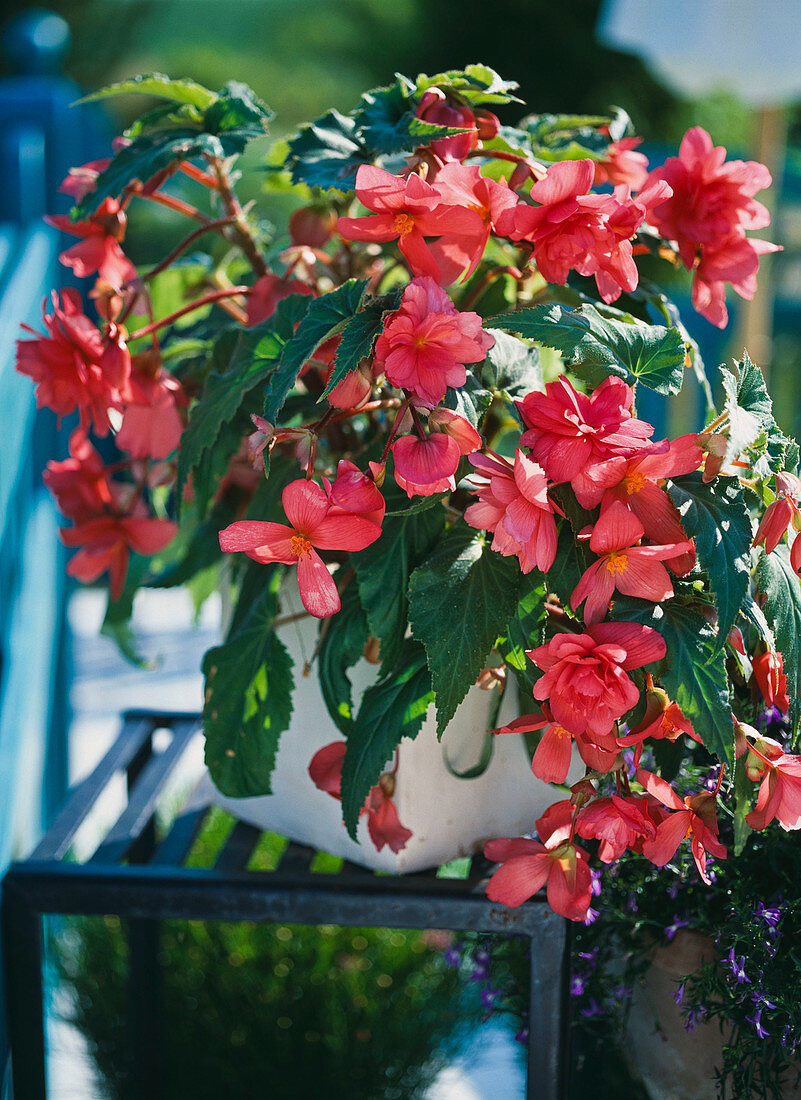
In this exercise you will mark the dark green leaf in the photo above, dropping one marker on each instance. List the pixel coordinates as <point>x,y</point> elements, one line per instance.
<point>237,115</point>
<point>693,672</point>
<point>327,153</point>
<point>567,568</point>
<point>156,84</point>
<point>782,591</point>
<point>248,702</point>
<point>383,569</point>
<point>595,346</point>
<point>470,401</point>
<point>422,504</point>
<point>780,452</point>
<point>511,368</point>
<point>323,318</point>
<point>386,123</point>
<point>716,516</point>
<point>568,137</point>
<point>358,337</point>
<point>460,600</point>
<point>393,708</point>
<point>117,620</point>
<point>200,544</point>
<point>526,630</point>
<point>477,84</point>
<point>343,638</point>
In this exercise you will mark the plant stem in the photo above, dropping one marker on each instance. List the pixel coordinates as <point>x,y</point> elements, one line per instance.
<point>215,296</point>
<point>234,209</point>
<point>178,205</point>
<point>185,243</point>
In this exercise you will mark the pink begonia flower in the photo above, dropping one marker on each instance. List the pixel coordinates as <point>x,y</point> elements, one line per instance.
<point>409,210</point>
<point>354,493</point>
<point>711,208</point>
<point>99,250</point>
<point>151,424</point>
<point>434,107</point>
<point>354,389</point>
<point>80,483</point>
<point>425,344</point>
<point>73,368</point>
<point>619,823</point>
<point>81,180</point>
<point>584,438</point>
<point>527,865</point>
<point>663,721</point>
<point>552,756</point>
<point>640,491</point>
<point>106,545</point>
<point>694,818</point>
<point>513,504</point>
<point>383,823</point>
<point>313,528</point>
<point>463,185</point>
<point>769,674</point>
<point>631,569</point>
<point>585,679</point>
<point>780,791</point>
<point>426,466</point>
<point>267,292</point>
<point>622,165</point>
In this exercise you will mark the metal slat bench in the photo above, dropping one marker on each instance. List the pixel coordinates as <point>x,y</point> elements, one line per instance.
<point>136,876</point>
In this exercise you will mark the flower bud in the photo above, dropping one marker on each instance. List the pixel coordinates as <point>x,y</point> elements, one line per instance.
<point>312,225</point>
<point>488,125</point>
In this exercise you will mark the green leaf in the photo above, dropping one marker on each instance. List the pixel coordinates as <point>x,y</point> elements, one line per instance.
<point>248,701</point>
<point>744,427</point>
<point>476,84</point>
<point>781,588</point>
<point>460,600</point>
<point>422,504</point>
<point>743,793</point>
<point>781,453</point>
<point>511,368</point>
<point>327,153</point>
<point>237,115</point>
<point>242,360</point>
<point>567,568</point>
<point>322,318</point>
<point>393,708</point>
<point>342,641</point>
<point>386,123</point>
<point>156,84</point>
<point>595,346</point>
<point>383,569</point>
<point>716,516</point>
<point>526,630</point>
<point>117,619</point>
<point>358,337</point>
<point>470,401</point>
<point>569,137</point>
<point>693,672</point>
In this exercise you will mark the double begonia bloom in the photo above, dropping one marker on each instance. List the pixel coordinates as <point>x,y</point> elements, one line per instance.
<point>585,679</point>
<point>622,164</point>
<point>99,250</point>
<point>106,544</point>
<point>584,438</point>
<point>663,720</point>
<point>694,819</point>
<point>424,466</point>
<point>707,215</point>
<point>151,424</point>
<point>409,210</point>
<point>624,566</point>
<point>780,791</point>
<point>80,483</point>
<point>618,823</point>
<point>73,368</point>
<point>463,185</point>
<point>514,505</point>
<point>383,823</point>
<point>426,343</point>
<point>315,525</point>
<point>527,865</point>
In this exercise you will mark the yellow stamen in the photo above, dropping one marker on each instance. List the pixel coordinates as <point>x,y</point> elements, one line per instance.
<point>403,224</point>
<point>617,563</point>
<point>300,546</point>
<point>634,482</point>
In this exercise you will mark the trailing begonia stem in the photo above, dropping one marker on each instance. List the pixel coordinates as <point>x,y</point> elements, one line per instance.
<point>206,300</point>
<point>178,205</point>
<point>233,207</point>
<point>184,244</point>
<point>198,175</point>
<point>398,417</point>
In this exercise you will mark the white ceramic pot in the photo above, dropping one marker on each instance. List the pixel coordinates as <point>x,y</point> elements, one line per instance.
<point>448,816</point>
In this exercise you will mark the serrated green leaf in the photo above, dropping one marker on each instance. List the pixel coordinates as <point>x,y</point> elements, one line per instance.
<point>716,516</point>
<point>595,346</point>
<point>781,588</point>
<point>470,401</point>
<point>693,671</point>
<point>342,641</point>
<point>383,569</point>
<point>248,702</point>
<point>781,452</point>
<point>237,110</point>
<point>323,318</point>
<point>422,504</point>
<point>477,84</point>
<point>568,137</point>
<point>526,629</point>
<point>511,368</point>
<point>327,153</point>
<point>386,123</point>
<point>460,600</point>
<point>744,427</point>
<point>393,708</point>
<point>156,84</point>
<point>567,568</point>
<point>358,337</point>
<point>743,793</point>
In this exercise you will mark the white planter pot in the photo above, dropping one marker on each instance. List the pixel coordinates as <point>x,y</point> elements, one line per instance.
<point>448,816</point>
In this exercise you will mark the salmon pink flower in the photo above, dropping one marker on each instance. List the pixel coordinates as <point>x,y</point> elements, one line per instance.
<point>106,543</point>
<point>619,823</point>
<point>80,483</point>
<point>73,368</point>
<point>409,210</point>
<point>585,679</point>
<point>383,823</point>
<point>354,493</point>
<point>514,504</point>
<point>426,342</point>
<point>151,424</point>
<point>780,790</point>
<point>780,513</point>
<point>314,526</point>
<point>435,107</point>
<point>527,865</point>
<point>631,569</point>
<point>694,819</point>
<point>463,185</point>
<point>267,292</point>
<point>584,438</point>
<point>80,181</point>
<point>663,721</point>
<point>622,165</point>
<point>426,466</point>
<point>99,250</point>
<point>552,756</point>
<point>769,674</point>
<point>711,207</point>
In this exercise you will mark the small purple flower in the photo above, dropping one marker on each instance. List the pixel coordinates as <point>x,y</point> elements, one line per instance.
<point>590,957</point>
<point>737,967</point>
<point>673,890</point>
<point>756,1020</point>
<point>771,916</point>
<point>578,984</point>
<point>522,1035</point>
<point>592,916</point>
<point>673,928</point>
<point>695,1016</point>
<point>592,1009</point>
<point>761,1000</point>
<point>488,997</point>
<point>453,956</point>
<point>631,903</point>
<point>678,996</point>
<point>595,887</point>
<point>628,760</point>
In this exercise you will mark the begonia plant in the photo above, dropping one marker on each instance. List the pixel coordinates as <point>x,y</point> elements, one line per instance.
<point>424,394</point>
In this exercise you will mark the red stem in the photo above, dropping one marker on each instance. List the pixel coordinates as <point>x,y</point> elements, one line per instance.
<point>185,243</point>
<point>178,205</point>
<point>215,296</point>
<point>199,175</point>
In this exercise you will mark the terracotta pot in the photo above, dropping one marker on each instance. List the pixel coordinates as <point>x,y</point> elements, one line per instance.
<point>448,816</point>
